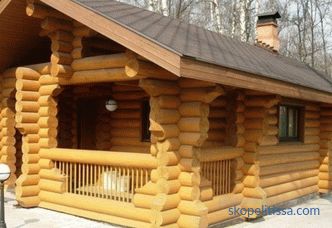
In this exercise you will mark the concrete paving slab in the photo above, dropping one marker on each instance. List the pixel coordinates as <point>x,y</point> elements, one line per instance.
<point>324,219</point>
<point>18,217</point>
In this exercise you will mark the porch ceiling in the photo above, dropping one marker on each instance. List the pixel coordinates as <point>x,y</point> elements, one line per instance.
<point>18,35</point>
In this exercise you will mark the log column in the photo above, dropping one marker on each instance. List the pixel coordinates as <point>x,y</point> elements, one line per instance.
<point>161,193</point>
<point>260,130</point>
<point>194,125</point>
<point>238,140</point>
<point>27,116</point>
<point>325,169</point>
<point>51,180</point>
<point>58,28</point>
<point>80,31</point>
<point>7,123</point>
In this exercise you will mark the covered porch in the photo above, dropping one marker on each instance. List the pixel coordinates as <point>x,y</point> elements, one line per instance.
<point>177,167</point>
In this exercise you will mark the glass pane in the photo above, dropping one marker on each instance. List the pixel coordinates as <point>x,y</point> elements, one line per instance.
<point>282,121</point>
<point>296,121</point>
<point>291,130</point>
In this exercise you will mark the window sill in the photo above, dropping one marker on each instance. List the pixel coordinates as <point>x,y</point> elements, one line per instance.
<point>300,143</point>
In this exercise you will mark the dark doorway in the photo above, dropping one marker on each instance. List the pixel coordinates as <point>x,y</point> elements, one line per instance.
<point>86,125</point>
<point>18,153</point>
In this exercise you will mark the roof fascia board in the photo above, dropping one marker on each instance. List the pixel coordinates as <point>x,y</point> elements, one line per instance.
<point>131,40</point>
<point>4,4</point>
<point>192,68</point>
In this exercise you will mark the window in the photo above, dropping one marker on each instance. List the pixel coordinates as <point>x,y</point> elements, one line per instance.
<point>289,123</point>
<point>146,134</point>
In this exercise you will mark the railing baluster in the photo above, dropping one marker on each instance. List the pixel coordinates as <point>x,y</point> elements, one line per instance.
<point>115,178</point>
<point>75,172</point>
<point>219,173</point>
<point>126,184</point>
<point>70,176</point>
<point>111,184</point>
<point>105,181</point>
<point>92,184</point>
<point>79,178</point>
<point>141,173</point>
<point>132,179</point>
<point>95,180</point>
<point>229,173</point>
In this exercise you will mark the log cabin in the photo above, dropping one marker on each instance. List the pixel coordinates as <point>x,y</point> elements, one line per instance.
<point>118,114</point>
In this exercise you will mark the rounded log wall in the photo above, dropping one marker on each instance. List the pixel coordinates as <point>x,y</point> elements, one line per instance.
<point>218,121</point>
<point>66,118</point>
<point>7,123</point>
<point>277,172</point>
<point>294,169</point>
<point>325,168</point>
<point>126,121</point>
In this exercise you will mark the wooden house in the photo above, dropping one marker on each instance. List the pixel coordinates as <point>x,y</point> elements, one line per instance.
<point>118,114</point>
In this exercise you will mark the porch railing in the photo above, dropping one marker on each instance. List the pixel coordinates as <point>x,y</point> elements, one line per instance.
<point>102,174</point>
<point>219,173</point>
<point>217,167</point>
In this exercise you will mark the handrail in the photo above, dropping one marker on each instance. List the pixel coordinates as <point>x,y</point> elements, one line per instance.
<point>219,153</point>
<point>124,159</point>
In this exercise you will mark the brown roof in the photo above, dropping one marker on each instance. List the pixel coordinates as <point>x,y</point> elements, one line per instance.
<point>191,41</point>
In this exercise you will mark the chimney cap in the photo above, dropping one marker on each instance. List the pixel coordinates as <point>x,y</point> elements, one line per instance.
<point>268,17</point>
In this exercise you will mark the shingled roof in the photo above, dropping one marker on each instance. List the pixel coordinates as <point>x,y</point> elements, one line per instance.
<point>192,41</point>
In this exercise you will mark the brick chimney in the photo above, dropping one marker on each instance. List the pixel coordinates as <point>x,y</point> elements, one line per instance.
<point>267,31</point>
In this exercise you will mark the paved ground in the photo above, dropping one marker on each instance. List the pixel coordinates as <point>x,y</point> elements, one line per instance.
<point>17,217</point>
<point>302,221</point>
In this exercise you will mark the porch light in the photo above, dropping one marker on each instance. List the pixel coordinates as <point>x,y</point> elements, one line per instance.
<point>4,175</point>
<point>111,105</point>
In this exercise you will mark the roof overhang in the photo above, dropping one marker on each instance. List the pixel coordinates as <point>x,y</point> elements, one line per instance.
<point>131,40</point>
<point>192,68</point>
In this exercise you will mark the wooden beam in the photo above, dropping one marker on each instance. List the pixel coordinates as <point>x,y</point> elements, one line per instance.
<point>165,58</point>
<point>100,62</point>
<point>126,159</point>
<point>42,11</point>
<point>203,71</point>
<point>98,76</point>
<point>4,4</point>
<point>219,153</point>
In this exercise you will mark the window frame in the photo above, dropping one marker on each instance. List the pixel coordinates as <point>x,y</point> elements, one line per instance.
<point>300,123</point>
<point>145,120</point>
